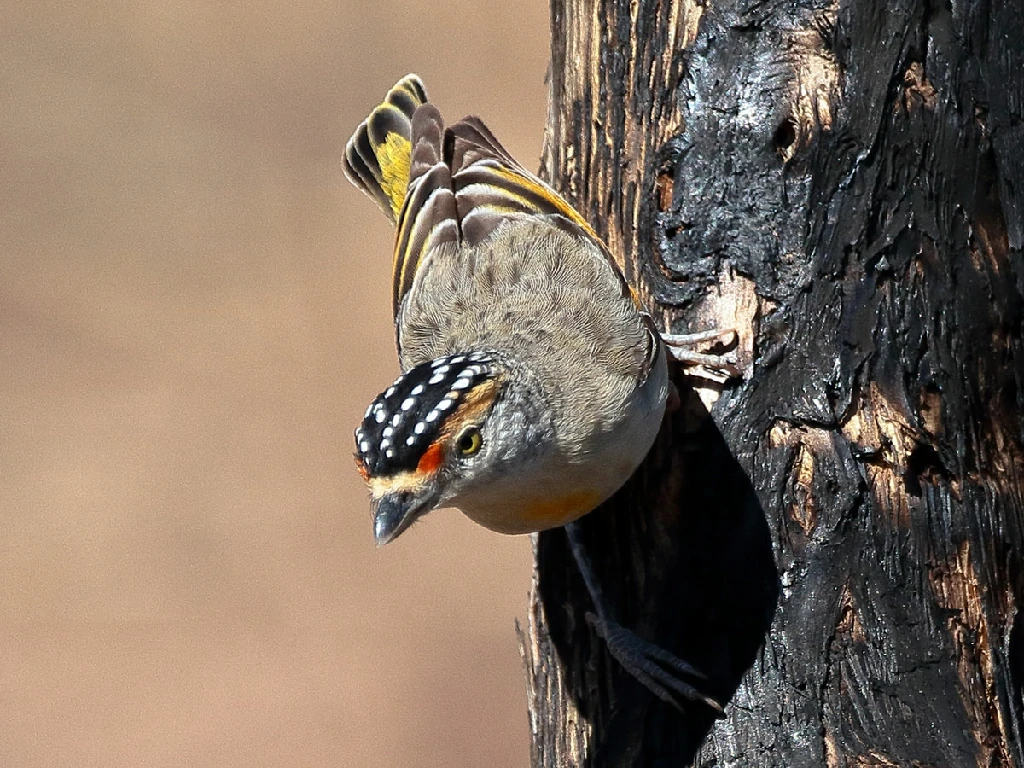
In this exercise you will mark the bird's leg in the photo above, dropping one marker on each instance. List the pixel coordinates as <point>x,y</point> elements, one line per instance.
<point>685,348</point>
<point>658,670</point>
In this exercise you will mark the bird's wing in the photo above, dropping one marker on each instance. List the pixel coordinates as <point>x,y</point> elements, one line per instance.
<point>447,185</point>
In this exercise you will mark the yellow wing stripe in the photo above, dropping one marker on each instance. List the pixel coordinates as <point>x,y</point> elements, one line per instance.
<point>542,190</point>
<point>401,260</point>
<point>428,218</point>
<point>394,155</point>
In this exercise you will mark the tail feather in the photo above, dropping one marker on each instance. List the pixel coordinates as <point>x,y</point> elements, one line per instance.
<point>428,130</point>
<point>377,157</point>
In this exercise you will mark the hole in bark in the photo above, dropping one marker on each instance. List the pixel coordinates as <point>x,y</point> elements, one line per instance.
<point>785,138</point>
<point>923,464</point>
<point>663,189</point>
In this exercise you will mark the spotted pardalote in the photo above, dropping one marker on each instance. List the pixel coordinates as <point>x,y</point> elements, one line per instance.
<point>533,383</point>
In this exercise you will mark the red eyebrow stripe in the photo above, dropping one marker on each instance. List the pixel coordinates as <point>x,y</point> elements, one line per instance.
<point>361,466</point>
<point>431,459</point>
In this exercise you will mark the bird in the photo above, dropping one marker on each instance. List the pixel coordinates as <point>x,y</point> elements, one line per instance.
<point>533,382</point>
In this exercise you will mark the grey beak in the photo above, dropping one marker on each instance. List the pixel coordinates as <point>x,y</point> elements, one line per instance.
<point>393,513</point>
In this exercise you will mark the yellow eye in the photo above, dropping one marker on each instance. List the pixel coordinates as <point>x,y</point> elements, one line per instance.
<point>468,441</point>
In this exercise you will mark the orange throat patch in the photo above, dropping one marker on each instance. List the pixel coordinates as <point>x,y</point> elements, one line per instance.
<point>555,511</point>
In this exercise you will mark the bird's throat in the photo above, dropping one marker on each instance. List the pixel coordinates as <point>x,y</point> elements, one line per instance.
<point>559,510</point>
<point>537,513</point>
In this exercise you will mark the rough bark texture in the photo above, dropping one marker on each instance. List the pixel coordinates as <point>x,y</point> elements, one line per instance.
<point>839,546</point>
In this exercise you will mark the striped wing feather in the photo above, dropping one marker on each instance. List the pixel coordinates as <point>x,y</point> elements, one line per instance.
<point>445,185</point>
<point>463,191</point>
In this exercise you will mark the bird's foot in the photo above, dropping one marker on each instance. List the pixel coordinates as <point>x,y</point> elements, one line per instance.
<point>692,350</point>
<point>658,670</point>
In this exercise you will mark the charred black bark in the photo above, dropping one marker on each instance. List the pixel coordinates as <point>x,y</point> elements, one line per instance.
<point>842,183</point>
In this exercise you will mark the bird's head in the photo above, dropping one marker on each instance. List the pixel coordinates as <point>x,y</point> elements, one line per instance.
<point>443,434</point>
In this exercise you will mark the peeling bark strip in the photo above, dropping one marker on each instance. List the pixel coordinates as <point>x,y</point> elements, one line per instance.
<point>842,182</point>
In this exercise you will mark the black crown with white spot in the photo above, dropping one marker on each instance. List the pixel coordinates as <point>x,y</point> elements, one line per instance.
<point>404,420</point>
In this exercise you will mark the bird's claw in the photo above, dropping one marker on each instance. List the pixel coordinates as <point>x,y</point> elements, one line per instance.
<point>685,348</point>
<point>652,665</point>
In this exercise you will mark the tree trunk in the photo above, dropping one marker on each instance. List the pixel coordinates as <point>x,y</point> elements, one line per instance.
<point>836,538</point>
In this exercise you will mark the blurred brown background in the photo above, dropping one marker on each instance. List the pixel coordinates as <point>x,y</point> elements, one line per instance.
<point>194,312</point>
